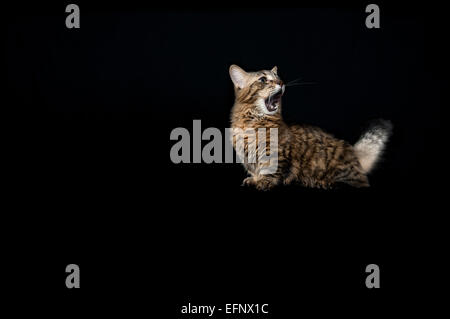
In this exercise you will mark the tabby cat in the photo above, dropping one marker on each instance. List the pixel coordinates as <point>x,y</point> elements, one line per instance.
<point>306,154</point>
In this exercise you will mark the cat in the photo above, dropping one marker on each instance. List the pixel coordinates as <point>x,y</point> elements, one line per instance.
<point>306,154</point>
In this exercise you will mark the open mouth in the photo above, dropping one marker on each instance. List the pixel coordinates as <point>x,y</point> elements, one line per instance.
<point>273,101</point>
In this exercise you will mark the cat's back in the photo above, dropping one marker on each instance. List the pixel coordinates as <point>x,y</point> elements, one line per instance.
<point>310,133</point>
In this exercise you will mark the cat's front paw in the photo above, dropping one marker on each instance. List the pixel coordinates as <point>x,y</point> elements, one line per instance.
<point>266,184</point>
<point>249,181</point>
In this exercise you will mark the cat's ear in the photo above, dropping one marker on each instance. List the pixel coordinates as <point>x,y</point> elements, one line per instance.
<point>275,70</point>
<point>238,76</point>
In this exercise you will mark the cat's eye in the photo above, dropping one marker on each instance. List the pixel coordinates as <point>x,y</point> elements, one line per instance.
<point>263,79</point>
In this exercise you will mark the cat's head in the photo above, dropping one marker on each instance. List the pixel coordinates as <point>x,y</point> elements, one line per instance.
<point>261,90</point>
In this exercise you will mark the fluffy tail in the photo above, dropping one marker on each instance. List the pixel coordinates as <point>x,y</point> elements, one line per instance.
<point>372,143</point>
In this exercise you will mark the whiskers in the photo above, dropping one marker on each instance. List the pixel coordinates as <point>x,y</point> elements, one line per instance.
<point>299,82</point>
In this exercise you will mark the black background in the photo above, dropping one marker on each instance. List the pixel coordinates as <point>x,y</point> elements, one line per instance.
<point>93,183</point>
